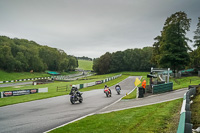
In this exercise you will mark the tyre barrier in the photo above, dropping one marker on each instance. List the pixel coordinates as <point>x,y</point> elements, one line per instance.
<point>20,80</point>
<point>185,125</point>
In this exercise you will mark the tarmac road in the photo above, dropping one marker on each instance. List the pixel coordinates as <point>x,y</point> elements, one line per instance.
<point>42,115</point>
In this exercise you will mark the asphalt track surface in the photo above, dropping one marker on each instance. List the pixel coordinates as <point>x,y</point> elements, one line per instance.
<point>42,115</point>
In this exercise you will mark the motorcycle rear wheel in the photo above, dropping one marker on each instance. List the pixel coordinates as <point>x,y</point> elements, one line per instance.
<point>81,100</point>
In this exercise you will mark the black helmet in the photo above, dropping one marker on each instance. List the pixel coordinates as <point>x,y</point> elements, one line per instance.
<point>105,85</point>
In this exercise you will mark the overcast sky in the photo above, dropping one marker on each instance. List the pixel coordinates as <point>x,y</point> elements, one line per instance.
<point>92,27</point>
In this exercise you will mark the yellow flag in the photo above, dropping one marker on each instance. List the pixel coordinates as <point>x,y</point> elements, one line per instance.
<point>137,82</point>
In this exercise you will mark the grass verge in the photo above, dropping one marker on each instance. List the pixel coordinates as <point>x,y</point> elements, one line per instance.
<point>157,118</point>
<point>6,76</point>
<point>184,82</point>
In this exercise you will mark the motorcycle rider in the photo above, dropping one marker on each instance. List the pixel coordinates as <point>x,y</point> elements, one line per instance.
<point>117,85</point>
<point>75,89</point>
<point>106,87</point>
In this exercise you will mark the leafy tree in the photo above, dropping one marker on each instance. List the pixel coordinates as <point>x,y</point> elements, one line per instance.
<point>95,66</point>
<point>6,59</point>
<point>172,48</point>
<point>117,62</point>
<point>197,35</point>
<point>23,55</point>
<point>22,63</point>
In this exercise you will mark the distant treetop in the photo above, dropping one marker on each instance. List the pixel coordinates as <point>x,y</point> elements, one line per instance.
<point>84,58</point>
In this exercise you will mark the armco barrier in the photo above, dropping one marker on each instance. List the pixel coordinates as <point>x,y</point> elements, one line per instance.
<point>185,125</point>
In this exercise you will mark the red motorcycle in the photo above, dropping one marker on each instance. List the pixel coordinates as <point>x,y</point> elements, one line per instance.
<point>108,92</point>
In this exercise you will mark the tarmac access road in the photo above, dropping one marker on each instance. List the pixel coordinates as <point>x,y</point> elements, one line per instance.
<point>42,115</point>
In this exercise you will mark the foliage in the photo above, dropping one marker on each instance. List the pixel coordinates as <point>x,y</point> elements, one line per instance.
<point>195,59</point>
<point>22,55</point>
<point>197,35</point>
<point>171,48</point>
<point>128,60</point>
<point>195,109</point>
<point>84,58</point>
<point>155,118</point>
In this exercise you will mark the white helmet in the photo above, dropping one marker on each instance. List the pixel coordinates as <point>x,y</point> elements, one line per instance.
<point>73,86</point>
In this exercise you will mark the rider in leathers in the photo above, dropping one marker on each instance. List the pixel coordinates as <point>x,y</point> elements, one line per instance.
<point>75,89</point>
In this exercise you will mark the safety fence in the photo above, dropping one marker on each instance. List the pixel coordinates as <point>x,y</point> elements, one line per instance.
<point>22,92</point>
<point>160,88</point>
<point>185,125</point>
<point>80,86</point>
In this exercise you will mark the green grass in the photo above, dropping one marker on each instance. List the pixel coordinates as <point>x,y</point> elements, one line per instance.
<point>6,76</point>
<point>185,82</point>
<point>157,118</point>
<point>85,64</point>
<point>195,109</point>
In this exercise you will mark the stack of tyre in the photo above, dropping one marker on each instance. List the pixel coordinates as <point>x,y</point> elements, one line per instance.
<point>185,125</point>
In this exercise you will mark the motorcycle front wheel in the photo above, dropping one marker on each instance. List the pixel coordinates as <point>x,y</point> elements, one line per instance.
<point>72,100</point>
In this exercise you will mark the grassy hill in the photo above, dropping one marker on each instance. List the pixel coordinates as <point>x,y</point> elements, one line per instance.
<point>4,76</point>
<point>85,64</point>
<point>7,76</point>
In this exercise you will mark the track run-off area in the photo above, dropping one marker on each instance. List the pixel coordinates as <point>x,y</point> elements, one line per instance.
<point>43,115</point>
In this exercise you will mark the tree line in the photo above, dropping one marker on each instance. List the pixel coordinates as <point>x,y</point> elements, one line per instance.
<point>22,55</point>
<point>84,58</point>
<point>170,50</point>
<point>128,60</point>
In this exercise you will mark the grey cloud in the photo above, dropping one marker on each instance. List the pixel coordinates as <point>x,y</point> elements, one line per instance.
<point>91,27</point>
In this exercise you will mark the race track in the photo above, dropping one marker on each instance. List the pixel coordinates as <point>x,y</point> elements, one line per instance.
<point>42,115</point>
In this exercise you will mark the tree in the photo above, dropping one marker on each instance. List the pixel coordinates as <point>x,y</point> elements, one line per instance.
<point>156,50</point>
<point>117,62</point>
<point>173,46</point>
<point>197,35</point>
<point>6,59</point>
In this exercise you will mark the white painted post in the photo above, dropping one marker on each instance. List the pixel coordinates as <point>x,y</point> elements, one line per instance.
<point>168,75</point>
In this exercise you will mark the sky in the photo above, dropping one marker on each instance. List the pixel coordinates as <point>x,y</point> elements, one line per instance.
<point>92,27</point>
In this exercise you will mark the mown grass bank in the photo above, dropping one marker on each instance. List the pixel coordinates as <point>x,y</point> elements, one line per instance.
<point>6,76</point>
<point>157,118</point>
<point>184,82</point>
<point>85,64</point>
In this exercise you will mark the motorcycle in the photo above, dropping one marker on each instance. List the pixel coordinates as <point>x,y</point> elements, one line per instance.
<point>76,96</point>
<point>118,90</point>
<point>107,91</point>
